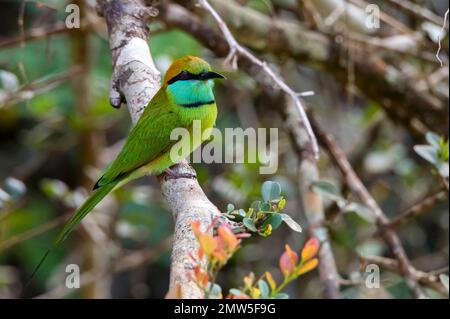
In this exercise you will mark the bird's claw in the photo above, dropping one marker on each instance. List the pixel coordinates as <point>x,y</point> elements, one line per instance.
<point>171,174</point>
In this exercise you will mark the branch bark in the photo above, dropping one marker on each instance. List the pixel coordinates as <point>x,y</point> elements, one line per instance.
<point>135,81</point>
<point>308,173</point>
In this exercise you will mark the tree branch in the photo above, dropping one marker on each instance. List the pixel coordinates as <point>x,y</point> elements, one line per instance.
<point>430,280</point>
<point>356,185</point>
<point>236,50</point>
<point>418,209</point>
<point>135,81</point>
<point>395,91</point>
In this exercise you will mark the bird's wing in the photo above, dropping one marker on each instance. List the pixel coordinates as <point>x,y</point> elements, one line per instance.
<point>147,140</point>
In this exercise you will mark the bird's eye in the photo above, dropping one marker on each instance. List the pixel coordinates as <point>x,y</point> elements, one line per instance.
<point>184,75</point>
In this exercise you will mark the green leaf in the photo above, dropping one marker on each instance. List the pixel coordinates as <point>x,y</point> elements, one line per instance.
<point>16,188</point>
<point>362,211</point>
<point>270,191</point>
<point>54,188</point>
<point>275,220</point>
<point>256,205</point>
<point>265,207</point>
<point>329,191</point>
<point>230,208</point>
<point>433,139</point>
<point>249,224</point>
<point>263,288</point>
<point>281,295</point>
<point>215,291</point>
<point>242,213</point>
<point>444,280</point>
<point>291,223</point>
<point>443,169</point>
<point>4,196</point>
<point>428,153</point>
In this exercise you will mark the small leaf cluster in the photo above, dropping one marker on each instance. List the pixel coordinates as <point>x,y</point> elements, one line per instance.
<point>291,268</point>
<point>435,152</point>
<point>213,253</point>
<point>11,191</point>
<point>263,216</point>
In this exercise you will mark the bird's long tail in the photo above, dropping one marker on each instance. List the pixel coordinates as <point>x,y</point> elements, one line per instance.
<point>87,206</point>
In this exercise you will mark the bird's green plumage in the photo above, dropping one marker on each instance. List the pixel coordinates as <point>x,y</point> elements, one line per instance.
<point>186,95</point>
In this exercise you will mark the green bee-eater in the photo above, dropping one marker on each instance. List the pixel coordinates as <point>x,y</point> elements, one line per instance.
<point>186,95</point>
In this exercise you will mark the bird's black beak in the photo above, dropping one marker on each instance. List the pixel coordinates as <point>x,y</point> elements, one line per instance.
<point>211,75</point>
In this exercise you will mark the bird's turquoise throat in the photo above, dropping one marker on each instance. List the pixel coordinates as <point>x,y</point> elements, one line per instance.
<point>192,93</point>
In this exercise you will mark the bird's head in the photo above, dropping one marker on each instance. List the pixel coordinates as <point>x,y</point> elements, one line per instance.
<point>189,82</point>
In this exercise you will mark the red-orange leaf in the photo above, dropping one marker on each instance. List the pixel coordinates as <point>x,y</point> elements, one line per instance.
<point>310,249</point>
<point>229,238</point>
<point>308,266</point>
<point>288,261</point>
<point>196,227</point>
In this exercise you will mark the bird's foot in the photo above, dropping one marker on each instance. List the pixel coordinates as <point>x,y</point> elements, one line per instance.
<point>171,174</point>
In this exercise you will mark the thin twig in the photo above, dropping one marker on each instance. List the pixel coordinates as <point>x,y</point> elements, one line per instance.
<point>444,25</point>
<point>417,10</point>
<point>128,262</point>
<point>430,279</point>
<point>37,87</point>
<point>11,242</point>
<point>417,209</point>
<point>235,50</point>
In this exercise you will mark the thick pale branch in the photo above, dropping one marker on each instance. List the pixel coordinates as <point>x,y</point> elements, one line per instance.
<point>135,81</point>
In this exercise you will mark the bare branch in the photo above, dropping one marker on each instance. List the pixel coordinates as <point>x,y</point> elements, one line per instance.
<point>37,87</point>
<point>418,11</point>
<point>417,209</point>
<point>356,185</point>
<point>444,25</point>
<point>430,279</point>
<point>237,50</point>
<point>124,263</point>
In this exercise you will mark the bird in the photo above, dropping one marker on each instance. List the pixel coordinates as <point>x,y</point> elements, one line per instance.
<point>186,95</point>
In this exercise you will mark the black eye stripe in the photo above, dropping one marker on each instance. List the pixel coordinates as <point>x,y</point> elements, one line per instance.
<point>183,76</point>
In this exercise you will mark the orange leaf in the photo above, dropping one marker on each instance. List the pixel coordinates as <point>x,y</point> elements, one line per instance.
<point>271,281</point>
<point>196,228</point>
<point>201,276</point>
<point>310,249</point>
<point>207,243</point>
<point>200,253</point>
<point>228,237</point>
<point>308,266</point>
<point>288,261</point>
